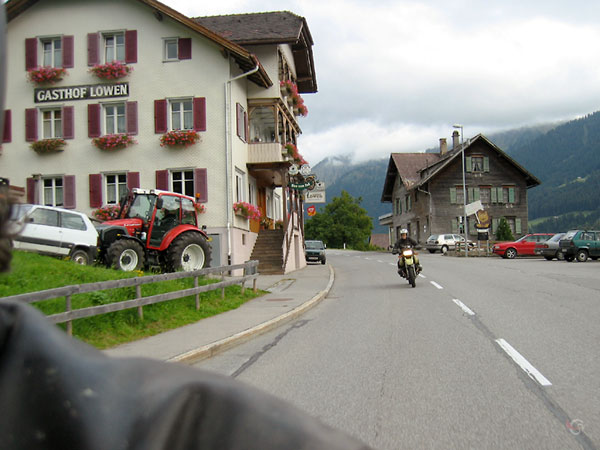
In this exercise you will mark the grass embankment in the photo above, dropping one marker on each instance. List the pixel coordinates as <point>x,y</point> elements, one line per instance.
<point>31,272</point>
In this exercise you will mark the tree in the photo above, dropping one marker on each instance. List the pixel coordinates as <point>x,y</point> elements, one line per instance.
<point>343,221</point>
<point>503,233</point>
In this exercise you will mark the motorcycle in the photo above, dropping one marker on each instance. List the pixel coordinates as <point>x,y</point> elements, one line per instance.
<point>409,272</point>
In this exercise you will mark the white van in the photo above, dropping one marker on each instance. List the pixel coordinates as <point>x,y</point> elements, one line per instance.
<point>54,231</point>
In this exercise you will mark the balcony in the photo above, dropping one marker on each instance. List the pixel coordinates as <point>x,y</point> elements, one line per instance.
<point>267,152</point>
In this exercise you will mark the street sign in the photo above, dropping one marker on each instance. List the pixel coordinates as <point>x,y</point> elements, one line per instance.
<point>300,186</point>
<point>472,208</point>
<point>314,197</point>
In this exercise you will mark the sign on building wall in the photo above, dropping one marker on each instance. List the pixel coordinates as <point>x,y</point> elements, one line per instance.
<point>84,92</point>
<point>314,196</point>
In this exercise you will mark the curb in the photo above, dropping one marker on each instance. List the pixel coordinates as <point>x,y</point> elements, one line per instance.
<point>209,350</point>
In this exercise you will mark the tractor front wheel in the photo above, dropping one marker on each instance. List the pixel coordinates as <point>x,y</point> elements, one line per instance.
<point>126,255</point>
<point>188,252</point>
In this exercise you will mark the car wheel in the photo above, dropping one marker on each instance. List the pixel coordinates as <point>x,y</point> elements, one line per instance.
<point>444,249</point>
<point>594,258</point>
<point>510,253</point>
<point>126,255</point>
<point>80,256</point>
<point>569,258</point>
<point>188,252</point>
<point>431,251</point>
<point>560,256</point>
<point>323,261</point>
<point>582,255</point>
<point>549,258</point>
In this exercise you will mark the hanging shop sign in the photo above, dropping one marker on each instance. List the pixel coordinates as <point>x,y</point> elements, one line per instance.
<point>314,196</point>
<point>84,92</point>
<point>301,186</point>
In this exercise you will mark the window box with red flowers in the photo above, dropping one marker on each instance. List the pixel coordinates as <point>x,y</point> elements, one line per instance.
<point>200,208</point>
<point>113,141</point>
<point>44,146</point>
<point>112,70</point>
<point>246,210</point>
<point>107,212</point>
<point>179,138</point>
<point>46,74</point>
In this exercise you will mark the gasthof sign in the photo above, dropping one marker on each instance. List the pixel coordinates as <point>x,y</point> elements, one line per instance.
<point>84,92</point>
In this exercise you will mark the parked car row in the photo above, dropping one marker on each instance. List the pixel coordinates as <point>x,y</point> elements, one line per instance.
<point>444,242</point>
<point>573,245</point>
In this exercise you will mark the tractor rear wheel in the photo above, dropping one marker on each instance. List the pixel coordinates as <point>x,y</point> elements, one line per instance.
<point>188,252</point>
<point>126,255</point>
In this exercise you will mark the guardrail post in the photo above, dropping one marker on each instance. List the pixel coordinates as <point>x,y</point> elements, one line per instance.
<point>138,295</point>
<point>223,289</point>
<point>244,280</point>
<point>198,294</point>
<point>67,309</point>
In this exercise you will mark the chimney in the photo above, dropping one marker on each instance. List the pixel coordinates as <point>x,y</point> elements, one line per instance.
<point>443,146</point>
<point>455,140</point>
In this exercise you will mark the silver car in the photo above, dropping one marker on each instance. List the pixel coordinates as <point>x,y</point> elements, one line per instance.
<point>443,242</point>
<point>54,231</point>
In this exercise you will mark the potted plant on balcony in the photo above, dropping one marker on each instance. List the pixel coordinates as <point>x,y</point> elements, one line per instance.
<point>112,70</point>
<point>246,210</point>
<point>113,141</point>
<point>52,145</point>
<point>179,138</point>
<point>46,74</point>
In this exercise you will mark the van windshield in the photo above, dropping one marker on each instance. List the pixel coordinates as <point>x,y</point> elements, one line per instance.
<point>314,244</point>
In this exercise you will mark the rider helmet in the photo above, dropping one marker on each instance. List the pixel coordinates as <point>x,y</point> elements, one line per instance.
<point>403,231</point>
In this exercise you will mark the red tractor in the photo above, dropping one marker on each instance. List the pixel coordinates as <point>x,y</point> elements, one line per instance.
<point>154,228</point>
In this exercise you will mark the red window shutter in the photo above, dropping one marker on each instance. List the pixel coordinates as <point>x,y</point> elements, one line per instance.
<point>162,180</point>
<point>31,128</point>
<point>201,184</point>
<point>132,118</point>
<point>133,180</point>
<point>7,132</point>
<point>131,46</point>
<point>93,48</point>
<point>69,191</point>
<point>68,45</point>
<point>160,116</point>
<point>30,190</point>
<point>199,114</point>
<point>184,48</point>
<point>94,120</point>
<point>95,190</point>
<point>67,122</point>
<point>31,46</point>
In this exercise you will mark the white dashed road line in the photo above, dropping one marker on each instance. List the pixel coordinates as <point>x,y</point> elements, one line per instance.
<point>436,285</point>
<point>523,363</point>
<point>464,307</point>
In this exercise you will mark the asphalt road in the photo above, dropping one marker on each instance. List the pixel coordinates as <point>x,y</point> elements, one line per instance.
<point>483,353</point>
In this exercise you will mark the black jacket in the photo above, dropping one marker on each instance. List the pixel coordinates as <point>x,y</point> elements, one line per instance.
<point>59,393</point>
<point>401,243</point>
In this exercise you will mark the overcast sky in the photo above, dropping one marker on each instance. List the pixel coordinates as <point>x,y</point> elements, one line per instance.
<point>395,75</point>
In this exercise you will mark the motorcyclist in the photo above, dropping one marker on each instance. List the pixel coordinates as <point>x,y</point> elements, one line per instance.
<point>404,241</point>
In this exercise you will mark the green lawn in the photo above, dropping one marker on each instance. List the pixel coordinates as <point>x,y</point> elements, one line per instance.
<point>31,272</point>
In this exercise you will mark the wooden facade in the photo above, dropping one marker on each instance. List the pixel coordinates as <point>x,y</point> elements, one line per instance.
<point>426,189</point>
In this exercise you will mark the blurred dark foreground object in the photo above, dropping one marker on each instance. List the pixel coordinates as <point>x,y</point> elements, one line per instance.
<point>59,393</point>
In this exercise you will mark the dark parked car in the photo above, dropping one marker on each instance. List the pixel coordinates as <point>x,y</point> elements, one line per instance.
<point>580,244</point>
<point>315,251</point>
<point>550,249</point>
<point>524,246</point>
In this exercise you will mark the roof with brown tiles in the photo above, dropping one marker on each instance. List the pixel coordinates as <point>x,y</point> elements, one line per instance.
<point>268,28</point>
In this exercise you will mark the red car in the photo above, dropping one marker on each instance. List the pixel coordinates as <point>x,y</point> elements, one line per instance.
<point>521,247</point>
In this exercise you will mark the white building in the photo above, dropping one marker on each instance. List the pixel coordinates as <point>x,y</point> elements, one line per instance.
<point>222,83</point>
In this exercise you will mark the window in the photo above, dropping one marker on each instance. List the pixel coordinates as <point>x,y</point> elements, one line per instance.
<point>262,124</point>
<point>252,193</point>
<point>52,52</point>
<point>239,186</point>
<point>42,216</point>
<point>182,182</point>
<point>170,50</point>
<point>72,221</point>
<point>477,163</point>
<point>114,119</point>
<point>51,123</point>
<point>181,114</point>
<point>242,122</point>
<point>114,47</point>
<point>485,195</point>
<point>116,187</point>
<point>53,191</point>
<point>408,205</point>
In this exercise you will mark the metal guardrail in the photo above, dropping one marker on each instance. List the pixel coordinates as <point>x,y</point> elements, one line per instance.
<point>250,273</point>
